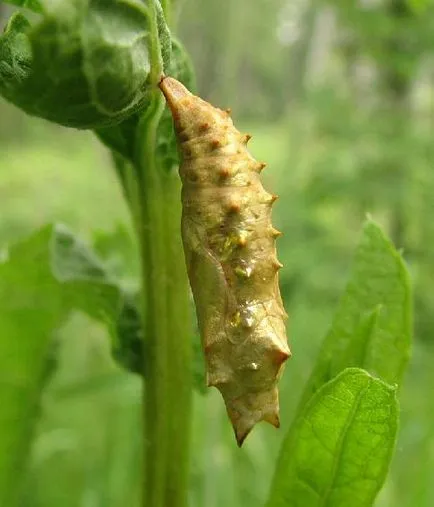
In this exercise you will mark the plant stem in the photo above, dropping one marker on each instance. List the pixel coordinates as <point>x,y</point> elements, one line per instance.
<point>178,349</point>
<point>166,6</point>
<point>179,339</point>
<point>166,309</point>
<point>166,314</point>
<point>151,232</point>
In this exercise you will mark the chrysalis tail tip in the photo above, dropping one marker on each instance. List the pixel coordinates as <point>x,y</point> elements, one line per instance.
<point>242,432</point>
<point>246,411</point>
<point>241,436</point>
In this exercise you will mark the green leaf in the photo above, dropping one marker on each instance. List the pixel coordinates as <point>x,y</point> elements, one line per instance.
<point>87,285</point>
<point>83,279</point>
<point>339,453</point>
<point>419,6</point>
<point>44,278</point>
<point>15,55</point>
<point>181,66</point>
<point>164,37</point>
<point>130,350</point>
<point>30,310</point>
<point>121,137</point>
<point>33,5</point>
<point>85,65</point>
<point>373,324</point>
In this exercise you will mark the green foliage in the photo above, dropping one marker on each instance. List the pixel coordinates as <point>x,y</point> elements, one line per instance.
<point>44,278</point>
<point>131,346</point>
<point>15,55</point>
<point>372,326</point>
<point>92,64</point>
<point>346,158</point>
<point>372,330</point>
<point>33,5</point>
<point>130,350</point>
<point>340,451</point>
<point>419,6</point>
<point>86,64</point>
<point>88,285</point>
<point>121,138</point>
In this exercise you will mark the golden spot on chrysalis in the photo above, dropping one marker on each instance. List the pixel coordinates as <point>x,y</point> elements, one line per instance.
<point>231,242</point>
<point>247,320</point>
<point>244,271</point>
<point>236,319</point>
<point>244,318</point>
<point>242,238</point>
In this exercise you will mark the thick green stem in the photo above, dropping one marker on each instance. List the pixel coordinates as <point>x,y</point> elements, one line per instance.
<point>166,314</point>
<point>155,312</point>
<point>154,198</point>
<point>179,350</point>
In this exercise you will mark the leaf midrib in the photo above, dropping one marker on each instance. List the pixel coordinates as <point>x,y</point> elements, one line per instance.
<point>324,497</point>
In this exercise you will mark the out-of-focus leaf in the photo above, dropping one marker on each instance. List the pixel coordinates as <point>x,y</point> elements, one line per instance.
<point>45,277</point>
<point>419,6</point>
<point>130,352</point>
<point>119,251</point>
<point>373,324</point>
<point>30,309</point>
<point>129,349</point>
<point>339,452</point>
<point>85,283</point>
<point>86,64</point>
<point>33,5</point>
<point>371,328</point>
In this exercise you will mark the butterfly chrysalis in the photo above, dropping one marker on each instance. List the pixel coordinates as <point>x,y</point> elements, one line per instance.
<point>229,246</point>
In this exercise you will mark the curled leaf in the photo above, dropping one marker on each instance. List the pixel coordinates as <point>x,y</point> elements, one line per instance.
<point>85,64</point>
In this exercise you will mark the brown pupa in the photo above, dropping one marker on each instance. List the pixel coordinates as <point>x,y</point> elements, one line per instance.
<point>229,246</point>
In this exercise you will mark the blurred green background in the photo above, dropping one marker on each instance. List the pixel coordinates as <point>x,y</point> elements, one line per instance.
<point>339,98</point>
